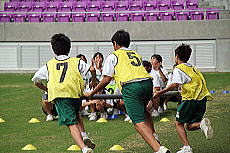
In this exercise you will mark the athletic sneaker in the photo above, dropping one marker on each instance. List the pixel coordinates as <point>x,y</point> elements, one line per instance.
<point>88,142</point>
<point>127,118</point>
<point>49,118</point>
<point>115,111</point>
<point>185,149</point>
<point>93,116</point>
<point>87,150</point>
<point>163,149</point>
<point>104,115</point>
<point>160,110</point>
<point>205,126</point>
<point>155,113</point>
<point>110,110</point>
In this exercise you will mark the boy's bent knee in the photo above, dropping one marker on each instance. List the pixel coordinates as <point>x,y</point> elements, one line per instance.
<point>179,124</point>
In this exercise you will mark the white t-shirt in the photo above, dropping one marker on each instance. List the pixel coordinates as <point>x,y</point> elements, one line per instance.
<point>156,80</point>
<point>165,72</point>
<point>42,73</point>
<point>170,77</point>
<point>180,77</point>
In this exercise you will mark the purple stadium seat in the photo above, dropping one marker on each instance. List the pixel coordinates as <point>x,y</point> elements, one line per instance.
<point>29,0</point>
<point>72,1</point>
<point>212,14</point>
<point>57,1</point>
<point>177,4</point>
<point>121,5</point>
<point>151,16</point>
<point>51,6</point>
<point>43,0</point>
<point>107,17</point>
<point>65,6</point>
<point>78,17</point>
<point>166,16</point>
<point>63,17</point>
<point>49,17</point>
<point>149,5</point>
<point>15,0</point>
<point>5,17</point>
<point>192,4</point>
<point>79,6</point>
<point>93,6</point>
<point>197,15</point>
<point>93,17</point>
<point>182,15</point>
<point>10,6</point>
<point>122,16</point>
<point>38,6</point>
<point>163,4</point>
<point>19,17</point>
<point>107,6</point>
<point>135,5</point>
<point>137,17</point>
<point>34,17</point>
<point>24,6</point>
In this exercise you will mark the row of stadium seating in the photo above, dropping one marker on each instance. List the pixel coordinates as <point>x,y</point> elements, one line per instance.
<point>98,5</point>
<point>108,17</point>
<point>105,11</point>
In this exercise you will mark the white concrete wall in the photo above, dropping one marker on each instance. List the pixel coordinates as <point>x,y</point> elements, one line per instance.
<point>31,56</point>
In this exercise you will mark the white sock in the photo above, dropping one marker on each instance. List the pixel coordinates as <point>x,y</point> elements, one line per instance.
<point>186,147</point>
<point>84,150</point>
<point>83,134</point>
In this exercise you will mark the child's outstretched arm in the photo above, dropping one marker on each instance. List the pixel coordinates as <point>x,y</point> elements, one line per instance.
<point>41,86</point>
<point>170,87</point>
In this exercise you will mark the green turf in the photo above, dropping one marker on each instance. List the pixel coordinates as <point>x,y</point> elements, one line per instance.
<point>20,101</point>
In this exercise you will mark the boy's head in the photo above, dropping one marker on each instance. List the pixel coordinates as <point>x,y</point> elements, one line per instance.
<point>60,44</point>
<point>81,56</point>
<point>156,61</point>
<point>182,54</point>
<point>147,65</point>
<point>120,39</point>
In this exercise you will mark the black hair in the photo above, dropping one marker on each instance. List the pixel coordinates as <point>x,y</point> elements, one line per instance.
<point>157,57</point>
<point>81,55</point>
<point>147,64</point>
<point>61,44</point>
<point>184,52</point>
<point>100,54</point>
<point>122,38</point>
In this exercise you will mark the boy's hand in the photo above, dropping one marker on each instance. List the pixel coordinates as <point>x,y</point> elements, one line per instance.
<point>156,94</point>
<point>87,94</point>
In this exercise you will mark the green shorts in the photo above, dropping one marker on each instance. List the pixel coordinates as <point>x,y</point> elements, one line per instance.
<point>136,96</point>
<point>191,111</point>
<point>68,109</point>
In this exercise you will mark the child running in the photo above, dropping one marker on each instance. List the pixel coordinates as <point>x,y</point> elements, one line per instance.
<point>65,87</point>
<point>194,97</point>
<point>125,66</point>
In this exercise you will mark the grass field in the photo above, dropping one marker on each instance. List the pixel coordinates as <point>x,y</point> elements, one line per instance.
<point>20,101</point>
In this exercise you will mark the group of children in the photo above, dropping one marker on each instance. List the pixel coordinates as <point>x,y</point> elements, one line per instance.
<point>140,83</point>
